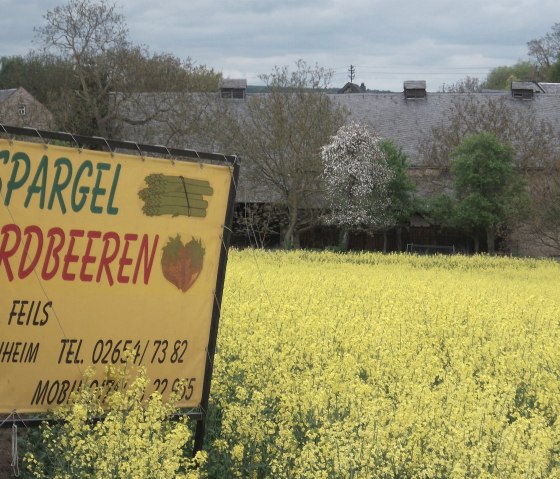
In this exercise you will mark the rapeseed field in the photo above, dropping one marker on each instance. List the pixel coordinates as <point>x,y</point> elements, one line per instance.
<point>386,366</point>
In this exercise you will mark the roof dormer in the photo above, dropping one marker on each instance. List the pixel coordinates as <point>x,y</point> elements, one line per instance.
<point>415,90</point>
<point>233,88</point>
<point>525,90</point>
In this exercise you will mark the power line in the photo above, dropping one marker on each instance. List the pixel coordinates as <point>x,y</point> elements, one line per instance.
<point>397,67</point>
<point>438,73</point>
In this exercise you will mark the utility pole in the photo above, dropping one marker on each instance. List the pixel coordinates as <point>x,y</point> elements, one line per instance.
<point>352,73</point>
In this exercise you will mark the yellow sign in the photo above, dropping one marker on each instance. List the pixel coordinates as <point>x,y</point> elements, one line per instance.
<point>100,254</point>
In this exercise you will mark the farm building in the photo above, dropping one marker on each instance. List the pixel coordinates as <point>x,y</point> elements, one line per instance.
<point>19,108</point>
<point>526,116</point>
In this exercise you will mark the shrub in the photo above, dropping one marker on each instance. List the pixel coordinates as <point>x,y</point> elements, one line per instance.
<point>136,437</point>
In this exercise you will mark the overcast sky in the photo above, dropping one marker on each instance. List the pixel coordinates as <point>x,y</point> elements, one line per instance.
<point>388,42</point>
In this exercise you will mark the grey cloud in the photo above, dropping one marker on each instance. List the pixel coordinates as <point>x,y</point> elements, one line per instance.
<point>385,39</point>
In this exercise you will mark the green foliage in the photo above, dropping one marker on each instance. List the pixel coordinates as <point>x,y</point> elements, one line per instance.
<point>44,76</point>
<point>143,71</point>
<point>137,438</point>
<point>545,53</point>
<point>476,213</point>
<point>500,78</point>
<point>401,188</point>
<point>554,72</point>
<point>441,209</point>
<point>490,195</point>
<point>481,164</point>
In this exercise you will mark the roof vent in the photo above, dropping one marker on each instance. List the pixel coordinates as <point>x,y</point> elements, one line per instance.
<point>233,88</point>
<point>524,90</point>
<point>415,90</point>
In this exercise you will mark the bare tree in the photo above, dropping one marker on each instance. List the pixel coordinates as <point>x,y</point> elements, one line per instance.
<point>546,50</point>
<point>91,36</point>
<point>467,85</point>
<point>545,221</point>
<point>279,137</point>
<point>258,222</point>
<point>534,140</point>
<point>110,73</point>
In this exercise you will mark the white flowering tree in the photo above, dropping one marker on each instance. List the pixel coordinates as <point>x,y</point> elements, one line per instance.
<point>356,179</point>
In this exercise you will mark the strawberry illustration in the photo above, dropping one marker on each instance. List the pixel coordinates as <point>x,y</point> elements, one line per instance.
<point>181,263</point>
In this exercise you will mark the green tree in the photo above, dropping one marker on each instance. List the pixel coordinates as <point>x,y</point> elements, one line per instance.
<point>554,72</point>
<point>403,202</point>
<point>44,76</point>
<point>280,137</point>
<point>489,195</point>
<point>500,78</point>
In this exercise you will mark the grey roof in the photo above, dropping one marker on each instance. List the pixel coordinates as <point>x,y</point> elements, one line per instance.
<point>414,85</point>
<point>4,94</point>
<point>550,87</point>
<point>240,83</point>
<point>351,88</point>
<point>526,85</point>
<point>408,123</point>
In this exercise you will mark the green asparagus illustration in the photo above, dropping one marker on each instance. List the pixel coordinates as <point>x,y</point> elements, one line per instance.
<point>175,196</point>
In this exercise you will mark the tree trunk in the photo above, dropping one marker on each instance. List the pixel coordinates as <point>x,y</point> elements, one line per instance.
<point>399,239</point>
<point>476,244</point>
<point>343,239</point>
<point>491,241</point>
<point>291,236</point>
<point>385,241</point>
